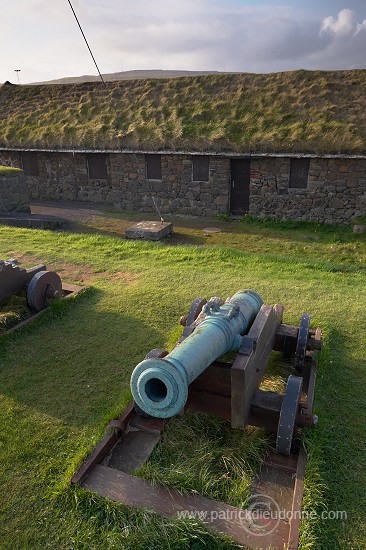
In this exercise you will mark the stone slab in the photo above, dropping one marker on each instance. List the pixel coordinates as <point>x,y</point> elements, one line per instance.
<point>359,229</point>
<point>31,221</point>
<point>153,231</point>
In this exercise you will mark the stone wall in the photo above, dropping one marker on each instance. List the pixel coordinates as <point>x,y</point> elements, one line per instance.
<point>175,193</point>
<point>62,176</point>
<point>14,196</point>
<point>335,192</point>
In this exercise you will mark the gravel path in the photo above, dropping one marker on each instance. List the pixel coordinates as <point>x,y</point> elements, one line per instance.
<point>72,211</point>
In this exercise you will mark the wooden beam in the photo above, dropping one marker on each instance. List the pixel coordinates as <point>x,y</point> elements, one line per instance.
<point>291,332</point>
<point>205,402</point>
<point>248,370</point>
<point>105,446</point>
<point>215,379</point>
<point>235,522</point>
<point>295,519</point>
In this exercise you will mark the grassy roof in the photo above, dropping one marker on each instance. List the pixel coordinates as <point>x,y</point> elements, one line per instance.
<point>298,111</point>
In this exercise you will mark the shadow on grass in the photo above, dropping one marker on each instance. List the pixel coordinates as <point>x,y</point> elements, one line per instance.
<point>337,464</point>
<point>74,363</point>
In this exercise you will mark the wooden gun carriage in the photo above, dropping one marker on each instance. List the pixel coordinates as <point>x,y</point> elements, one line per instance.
<point>229,390</point>
<point>38,284</point>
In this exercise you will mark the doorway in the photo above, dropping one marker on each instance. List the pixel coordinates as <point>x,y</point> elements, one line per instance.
<point>239,186</point>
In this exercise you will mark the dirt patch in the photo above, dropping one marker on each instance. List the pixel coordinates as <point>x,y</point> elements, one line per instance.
<point>78,274</point>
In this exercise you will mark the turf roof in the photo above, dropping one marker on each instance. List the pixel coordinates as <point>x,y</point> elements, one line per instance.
<point>300,111</point>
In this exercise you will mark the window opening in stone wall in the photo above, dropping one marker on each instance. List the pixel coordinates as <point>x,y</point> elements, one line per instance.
<point>153,167</point>
<point>200,168</point>
<point>299,170</point>
<point>97,166</point>
<point>29,162</point>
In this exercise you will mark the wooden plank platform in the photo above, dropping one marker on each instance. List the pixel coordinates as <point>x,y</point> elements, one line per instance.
<point>133,491</point>
<point>108,472</point>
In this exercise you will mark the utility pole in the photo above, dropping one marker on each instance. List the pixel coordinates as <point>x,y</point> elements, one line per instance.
<point>17,71</point>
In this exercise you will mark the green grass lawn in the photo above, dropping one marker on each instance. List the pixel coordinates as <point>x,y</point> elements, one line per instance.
<point>63,377</point>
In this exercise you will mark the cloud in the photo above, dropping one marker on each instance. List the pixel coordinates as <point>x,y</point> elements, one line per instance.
<point>361,26</point>
<point>199,35</point>
<point>347,46</point>
<point>344,24</point>
<point>171,34</point>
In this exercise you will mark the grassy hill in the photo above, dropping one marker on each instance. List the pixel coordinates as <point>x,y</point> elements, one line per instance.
<point>126,75</point>
<point>299,111</point>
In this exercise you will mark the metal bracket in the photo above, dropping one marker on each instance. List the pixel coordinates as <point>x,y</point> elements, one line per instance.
<point>116,424</point>
<point>248,345</point>
<point>302,341</point>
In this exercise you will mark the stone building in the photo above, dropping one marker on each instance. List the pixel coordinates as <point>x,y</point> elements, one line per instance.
<point>327,189</point>
<point>14,195</point>
<point>289,146</point>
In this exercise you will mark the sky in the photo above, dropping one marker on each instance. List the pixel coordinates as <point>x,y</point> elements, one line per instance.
<point>42,39</point>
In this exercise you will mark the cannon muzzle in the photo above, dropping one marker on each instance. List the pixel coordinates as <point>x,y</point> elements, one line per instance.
<point>160,386</point>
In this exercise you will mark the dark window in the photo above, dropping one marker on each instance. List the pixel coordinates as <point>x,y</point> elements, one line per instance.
<point>153,167</point>
<point>299,169</point>
<point>29,163</point>
<point>97,166</point>
<point>200,169</point>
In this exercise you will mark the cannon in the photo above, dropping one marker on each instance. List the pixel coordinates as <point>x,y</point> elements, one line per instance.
<point>217,367</point>
<point>165,384</point>
<point>38,284</point>
<point>160,385</point>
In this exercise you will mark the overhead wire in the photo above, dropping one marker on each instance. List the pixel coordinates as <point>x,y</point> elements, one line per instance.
<point>86,42</point>
<point>101,77</point>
